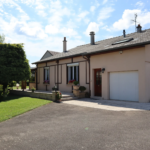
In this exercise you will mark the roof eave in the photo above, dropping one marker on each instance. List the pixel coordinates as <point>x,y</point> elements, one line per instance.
<point>101,51</point>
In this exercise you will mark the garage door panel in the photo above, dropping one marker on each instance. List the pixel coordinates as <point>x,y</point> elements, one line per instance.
<point>124,86</point>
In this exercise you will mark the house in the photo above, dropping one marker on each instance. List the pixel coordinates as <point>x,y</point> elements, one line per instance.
<point>117,68</point>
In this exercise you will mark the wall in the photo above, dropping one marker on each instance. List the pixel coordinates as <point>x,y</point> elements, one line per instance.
<point>147,68</point>
<point>129,60</point>
<point>62,76</point>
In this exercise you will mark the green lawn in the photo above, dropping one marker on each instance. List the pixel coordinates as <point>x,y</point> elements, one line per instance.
<point>14,87</point>
<point>15,105</point>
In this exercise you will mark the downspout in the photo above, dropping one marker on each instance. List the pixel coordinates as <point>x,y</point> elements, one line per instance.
<point>57,74</point>
<point>88,59</point>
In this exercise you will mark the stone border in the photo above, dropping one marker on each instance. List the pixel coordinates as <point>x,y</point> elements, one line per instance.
<point>49,96</point>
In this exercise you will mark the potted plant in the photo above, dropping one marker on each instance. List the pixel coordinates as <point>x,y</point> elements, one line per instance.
<point>76,85</point>
<point>82,88</point>
<point>58,97</point>
<point>33,89</point>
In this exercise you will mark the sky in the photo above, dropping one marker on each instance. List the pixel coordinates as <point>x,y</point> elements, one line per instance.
<point>42,24</point>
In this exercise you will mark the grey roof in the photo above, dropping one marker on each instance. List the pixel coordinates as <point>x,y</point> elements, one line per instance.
<point>53,52</point>
<point>104,46</point>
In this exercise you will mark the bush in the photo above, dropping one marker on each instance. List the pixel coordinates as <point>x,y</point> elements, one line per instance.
<point>75,82</point>
<point>58,96</point>
<point>1,90</point>
<point>12,83</point>
<point>33,89</point>
<point>82,88</point>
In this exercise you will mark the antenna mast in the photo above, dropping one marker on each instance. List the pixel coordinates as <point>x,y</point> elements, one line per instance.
<point>135,20</point>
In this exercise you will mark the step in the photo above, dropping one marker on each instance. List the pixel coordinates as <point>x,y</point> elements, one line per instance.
<point>68,98</point>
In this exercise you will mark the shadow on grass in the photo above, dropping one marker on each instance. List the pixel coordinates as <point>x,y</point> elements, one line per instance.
<point>10,97</point>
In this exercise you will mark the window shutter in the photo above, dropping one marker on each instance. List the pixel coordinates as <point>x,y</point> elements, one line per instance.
<point>69,74</point>
<point>73,73</point>
<point>77,78</point>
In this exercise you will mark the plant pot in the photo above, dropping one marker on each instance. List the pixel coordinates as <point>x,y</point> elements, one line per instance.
<point>58,101</point>
<point>76,87</point>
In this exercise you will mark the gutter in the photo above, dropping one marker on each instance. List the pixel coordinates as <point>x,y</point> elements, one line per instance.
<point>99,51</point>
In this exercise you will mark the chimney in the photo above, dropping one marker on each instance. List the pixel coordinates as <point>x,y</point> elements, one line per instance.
<point>92,38</point>
<point>124,33</point>
<point>139,28</point>
<point>64,45</point>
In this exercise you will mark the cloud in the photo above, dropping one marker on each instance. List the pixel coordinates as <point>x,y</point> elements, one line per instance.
<point>82,15</point>
<point>51,29</point>
<point>105,13</point>
<point>105,1</point>
<point>93,26</point>
<point>92,9</point>
<point>139,4</point>
<point>40,7</point>
<point>128,15</point>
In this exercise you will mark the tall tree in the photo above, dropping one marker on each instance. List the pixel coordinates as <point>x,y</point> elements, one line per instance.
<point>2,38</point>
<point>14,65</point>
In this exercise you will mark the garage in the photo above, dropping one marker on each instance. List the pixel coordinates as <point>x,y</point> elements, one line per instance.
<point>124,86</point>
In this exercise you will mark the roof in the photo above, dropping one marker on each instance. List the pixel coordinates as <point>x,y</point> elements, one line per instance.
<point>53,52</point>
<point>142,38</point>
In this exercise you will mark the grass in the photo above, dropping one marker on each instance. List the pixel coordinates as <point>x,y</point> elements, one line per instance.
<point>15,105</point>
<point>14,87</point>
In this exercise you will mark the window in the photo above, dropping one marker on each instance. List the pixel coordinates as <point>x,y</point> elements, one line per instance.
<point>46,74</point>
<point>73,71</point>
<point>123,41</point>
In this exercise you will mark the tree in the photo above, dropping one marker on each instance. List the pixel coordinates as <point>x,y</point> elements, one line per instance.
<point>2,38</point>
<point>14,65</point>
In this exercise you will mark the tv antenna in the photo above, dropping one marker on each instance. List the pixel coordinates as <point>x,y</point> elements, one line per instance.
<point>135,20</point>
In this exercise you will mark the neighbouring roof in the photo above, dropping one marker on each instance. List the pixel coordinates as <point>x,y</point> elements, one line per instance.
<point>49,53</point>
<point>104,46</point>
<point>53,52</point>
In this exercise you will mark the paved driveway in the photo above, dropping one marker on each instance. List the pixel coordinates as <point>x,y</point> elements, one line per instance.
<point>69,127</point>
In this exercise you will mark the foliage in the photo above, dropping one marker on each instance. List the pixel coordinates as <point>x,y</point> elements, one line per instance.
<point>4,94</point>
<point>13,63</point>
<point>58,96</point>
<point>33,89</point>
<point>32,79</point>
<point>12,83</point>
<point>75,82</point>
<point>82,88</point>
<point>1,90</point>
<point>15,105</point>
<point>2,38</point>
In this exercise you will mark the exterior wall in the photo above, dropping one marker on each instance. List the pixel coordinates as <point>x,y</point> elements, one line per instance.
<point>62,74</point>
<point>129,60</point>
<point>147,67</point>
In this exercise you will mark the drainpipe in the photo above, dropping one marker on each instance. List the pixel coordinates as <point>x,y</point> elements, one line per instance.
<point>88,59</point>
<point>57,74</point>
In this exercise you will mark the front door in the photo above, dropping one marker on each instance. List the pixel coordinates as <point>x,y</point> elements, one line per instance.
<point>98,82</point>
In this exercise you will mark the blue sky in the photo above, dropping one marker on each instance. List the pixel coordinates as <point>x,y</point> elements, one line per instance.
<point>42,24</point>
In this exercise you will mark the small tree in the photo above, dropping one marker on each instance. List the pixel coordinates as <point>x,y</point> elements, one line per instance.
<point>14,65</point>
<point>2,38</point>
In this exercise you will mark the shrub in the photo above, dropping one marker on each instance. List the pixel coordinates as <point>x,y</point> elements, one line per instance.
<point>33,89</point>
<point>58,96</point>
<point>75,82</point>
<point>82,88</point>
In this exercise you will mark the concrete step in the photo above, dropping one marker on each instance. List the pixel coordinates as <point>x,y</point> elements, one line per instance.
<point>68,98</point>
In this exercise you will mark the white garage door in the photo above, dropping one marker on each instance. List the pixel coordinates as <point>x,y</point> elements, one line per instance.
<point>124,86</point>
